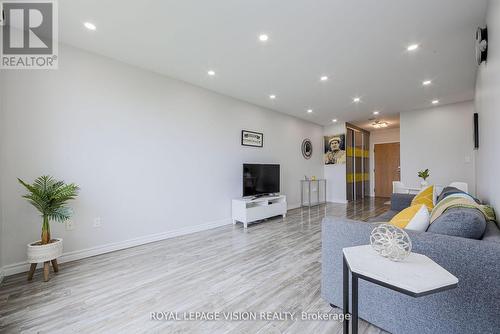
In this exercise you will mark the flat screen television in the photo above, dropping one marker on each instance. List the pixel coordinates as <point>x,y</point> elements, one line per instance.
<point>260,179</point>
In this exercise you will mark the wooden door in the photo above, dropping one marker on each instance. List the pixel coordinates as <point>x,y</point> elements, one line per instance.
<point>387,168</point>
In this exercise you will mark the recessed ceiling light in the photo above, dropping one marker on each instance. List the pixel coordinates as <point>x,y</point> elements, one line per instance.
<point>426,82</point>
<point>272,96</point>
<point>211,73</point>
<point>334,120</point>
<point>90,26</point>
<point>323,78</point>
<point>435,101</point>
<point>309,111</point>
<point>356,100</point>
<point>376,112</point>
<point>412,47</point>
<point>263,38</point>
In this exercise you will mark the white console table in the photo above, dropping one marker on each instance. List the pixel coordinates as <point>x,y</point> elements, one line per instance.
<point>247,210</point>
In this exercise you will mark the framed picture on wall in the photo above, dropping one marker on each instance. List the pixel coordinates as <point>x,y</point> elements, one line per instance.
<point>250,138</point>
<point>335,149</point>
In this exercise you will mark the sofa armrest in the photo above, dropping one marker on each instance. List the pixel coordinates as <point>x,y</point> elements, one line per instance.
<point>401,201</point>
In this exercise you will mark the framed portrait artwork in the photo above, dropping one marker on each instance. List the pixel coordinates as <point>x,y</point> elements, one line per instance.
<point>335,149</point>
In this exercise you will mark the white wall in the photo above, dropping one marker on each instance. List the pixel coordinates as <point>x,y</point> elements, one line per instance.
<point>380,137</point>
<point>335,174</point>
<point>1,243</point>
<point>2,121</point>
<point>152,155</point>
<point>1,239</point>
<point>440,139</point>
<point>488,106</point>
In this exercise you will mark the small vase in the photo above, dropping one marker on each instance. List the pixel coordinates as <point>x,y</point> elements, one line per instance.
<point>424,184</point>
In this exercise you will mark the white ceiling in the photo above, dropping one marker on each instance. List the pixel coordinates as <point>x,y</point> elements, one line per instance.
<point>359,44</point>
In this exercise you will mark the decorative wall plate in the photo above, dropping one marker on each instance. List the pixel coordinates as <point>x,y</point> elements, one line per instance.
<point>481,45</point>
<point>307,148</point>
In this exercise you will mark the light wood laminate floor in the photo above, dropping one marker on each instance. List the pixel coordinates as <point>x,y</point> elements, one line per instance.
<point>273,266</point>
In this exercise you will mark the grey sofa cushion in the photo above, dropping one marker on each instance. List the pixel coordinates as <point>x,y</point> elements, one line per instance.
<point>492,233</point>
<point>385,217</point>
<point>401,201</point>
<point>460,222</point>
<point>398,202</point>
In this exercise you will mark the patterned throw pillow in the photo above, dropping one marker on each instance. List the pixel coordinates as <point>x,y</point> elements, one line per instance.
<point>426,197</point>
<point>452,191</point>
<point>415,217</point>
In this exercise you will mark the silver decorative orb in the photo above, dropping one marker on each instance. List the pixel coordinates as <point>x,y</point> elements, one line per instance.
<point>391,242</point>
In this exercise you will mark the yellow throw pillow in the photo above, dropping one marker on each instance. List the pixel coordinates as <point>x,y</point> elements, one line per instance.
<point>416,218</point>
<point>426,197</point>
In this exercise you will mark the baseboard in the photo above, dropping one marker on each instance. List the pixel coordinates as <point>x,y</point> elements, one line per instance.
<point>293,206</point>
<point>20,267</point>
<point>335,200</point>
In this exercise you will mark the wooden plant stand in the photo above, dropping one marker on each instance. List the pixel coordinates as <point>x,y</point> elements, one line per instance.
<point>46,266</point>
<point>46,254</point>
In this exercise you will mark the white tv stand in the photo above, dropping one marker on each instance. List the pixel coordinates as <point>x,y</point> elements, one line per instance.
<point>247,210</point>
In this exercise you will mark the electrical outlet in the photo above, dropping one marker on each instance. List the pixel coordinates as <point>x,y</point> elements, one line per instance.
<point>70,226</point>
<point>97,222</point>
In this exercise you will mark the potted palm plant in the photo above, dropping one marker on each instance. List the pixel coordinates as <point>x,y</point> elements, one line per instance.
<point>50,198</point>
<point>424,174</point>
